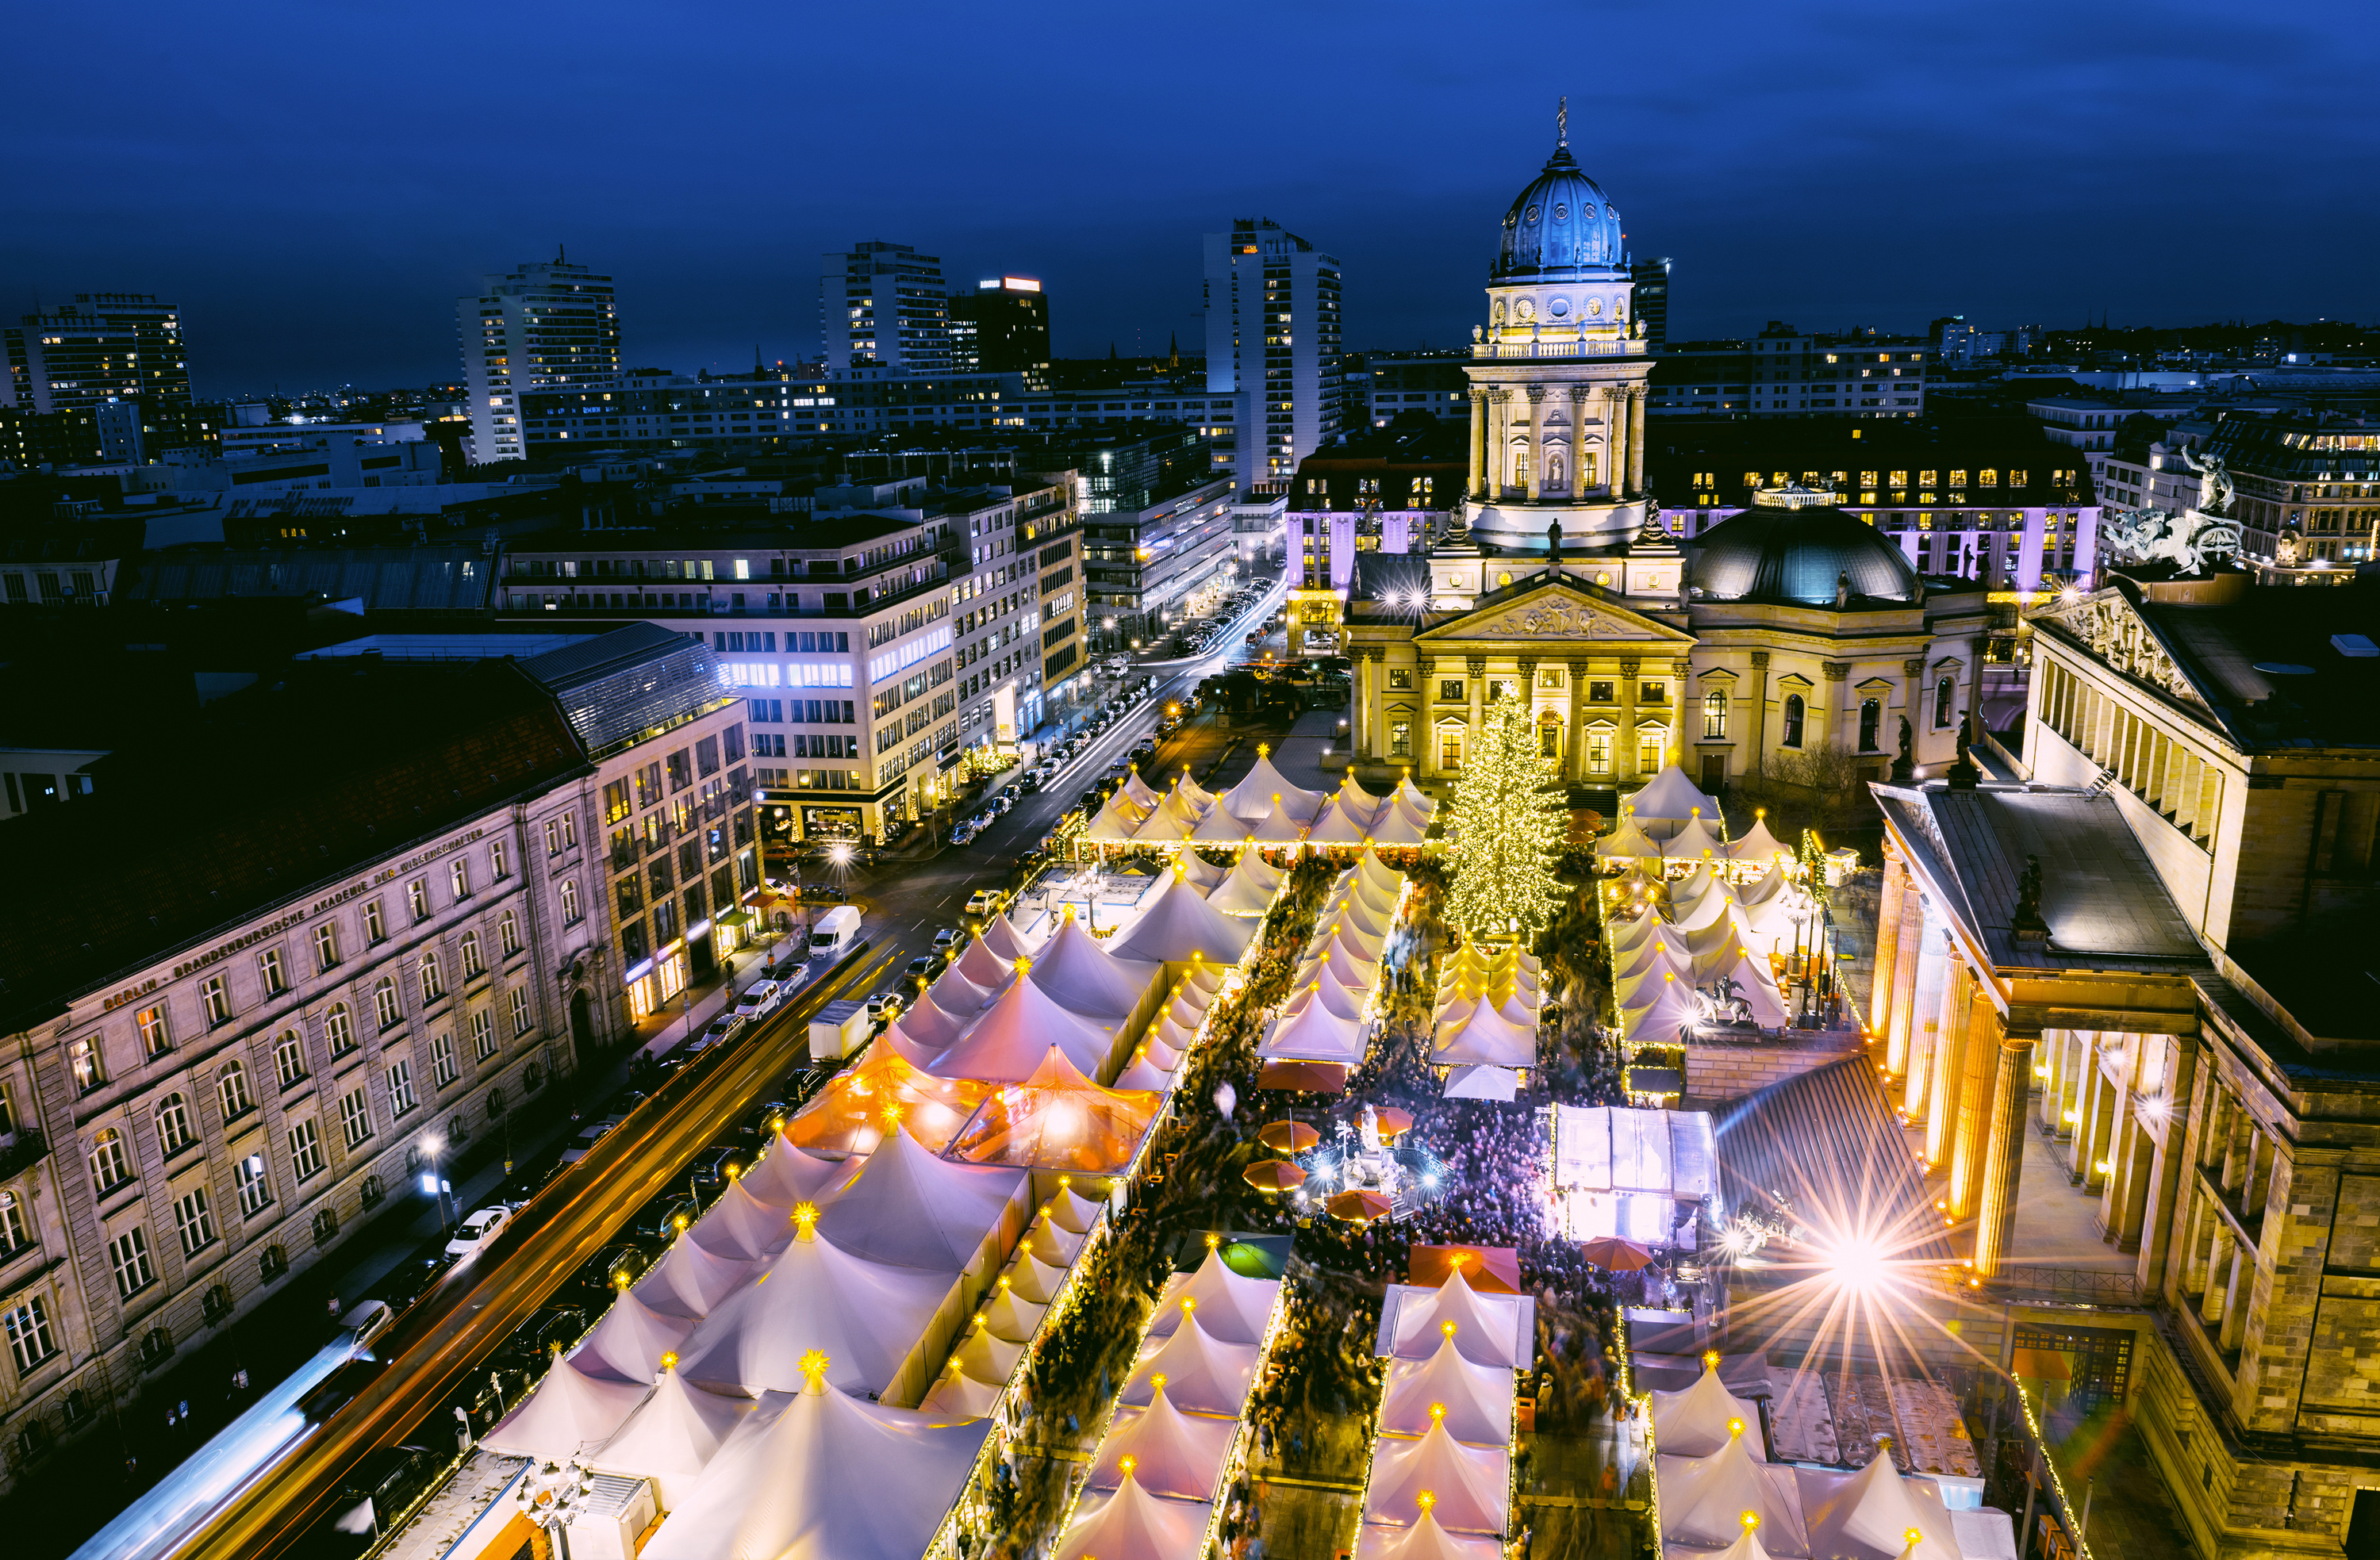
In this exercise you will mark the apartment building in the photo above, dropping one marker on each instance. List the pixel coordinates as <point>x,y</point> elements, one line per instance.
<point>2307,492</point>
<point>1431,382</point>
<point>1273,340</point>
<point>1788,373</point>
<point>546,322</point>
<point>884,304</point>
<point>219,1058</point>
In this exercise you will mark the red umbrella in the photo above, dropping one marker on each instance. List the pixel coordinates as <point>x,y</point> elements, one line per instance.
<point>1391,1120</point>
<point>1273,1175</point>
<point>1358,1206</point>
<point>1615,1255</point>
<point>1288,1137</point>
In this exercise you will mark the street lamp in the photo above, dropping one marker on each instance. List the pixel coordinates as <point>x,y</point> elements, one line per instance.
<point>434,1181</point>
<point>552,1496</point>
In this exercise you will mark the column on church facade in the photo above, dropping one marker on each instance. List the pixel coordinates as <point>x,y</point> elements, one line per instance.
<point>1899,1026</point>
<point>1367,679</point>
<point>1475,686</point>
<point>2004,1149</point>
<point>1680,669</point>
<point>1949,1069</point>
<point>1615,435</point>
<point>2165,1198</point>
<point>1529,693</point>
<point>1925,1013</point>
<point>1636,442</point>
<point>1838,685</point>
<point>1478,488</point>
<point>1978,1087</point>
<point>1577,767</point>
<point>2073,1055</point>
<point>1579,454</point>
<point>1887,948</point>
<point>1623,763</point>
<point>1536,483</point>
<point>2098,1121</point>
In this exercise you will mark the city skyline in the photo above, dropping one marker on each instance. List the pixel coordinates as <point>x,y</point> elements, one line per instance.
<point>1934,177</point>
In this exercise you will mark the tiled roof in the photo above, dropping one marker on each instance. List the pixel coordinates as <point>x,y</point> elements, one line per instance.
<point>1827,1145</point>
<point>269,796</point>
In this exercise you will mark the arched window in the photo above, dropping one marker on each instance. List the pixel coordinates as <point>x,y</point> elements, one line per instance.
<point>1944,692</point>
<point>1793,712</point>
<point>1715,714</point>
<point>109,1168</point>
<point>508,933</point>
<point>570,898</point>
<point>173,1123</point>
<point>385,1004</point>
<point>473,965</point>
<point>1871,719</point>
<point>231,1088</point>
<point>432,987</point>
<point>288,1057</point>
<point>1550,735</point>
<point>495,1105</point>
<point>339,1029</point>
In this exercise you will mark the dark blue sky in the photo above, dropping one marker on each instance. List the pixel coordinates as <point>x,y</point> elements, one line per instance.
<point>316,184</point>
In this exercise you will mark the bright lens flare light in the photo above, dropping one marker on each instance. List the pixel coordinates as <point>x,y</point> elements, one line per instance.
<point>1857,1263</point>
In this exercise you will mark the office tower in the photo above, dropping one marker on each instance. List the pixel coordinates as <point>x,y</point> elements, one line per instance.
<point>1273,342</point>
<point>882,306</point>
<point>1001,327</point>
<point>549,322</point>
<point>1652,284</point>
<point>102,348</point>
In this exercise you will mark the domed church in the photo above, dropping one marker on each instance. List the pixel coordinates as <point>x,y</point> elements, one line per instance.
<point>1791,628</point>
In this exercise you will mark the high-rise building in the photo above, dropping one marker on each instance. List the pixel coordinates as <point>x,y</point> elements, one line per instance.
<point>547,323</point>
<point>883,306</point>
<point>102,347</point>
<point>1652,279</point>
<point>1273,331</point>
<point>1001,327</point>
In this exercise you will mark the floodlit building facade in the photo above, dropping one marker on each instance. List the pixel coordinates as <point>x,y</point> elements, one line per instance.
<point>885,306</point>
<point>546,322</point>
<point>1273,342</point>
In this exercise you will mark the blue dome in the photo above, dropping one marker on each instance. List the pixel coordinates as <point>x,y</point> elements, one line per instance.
<point>1801,555</point>
<point>1559,229</point>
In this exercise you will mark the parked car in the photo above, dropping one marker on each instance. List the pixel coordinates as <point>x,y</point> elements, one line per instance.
<point>1031,781</point>
<point>389,1481</point>
<point>716,1033</point>
<point>923,968</point>
<point>613,1269</point>
<point>721,1162</point>
<point>554,1328</point>
<point>477,1231</point>
<point>984,902</point>
<point>886,1006</point>
<point>368,1319</point>
<point>835,932</point>
<point>1145,748</point>
<point>963,834</point>
<point>947,941</point>
<point>662,1219</point>
<point>409,1281</point>
<point>757,999</point>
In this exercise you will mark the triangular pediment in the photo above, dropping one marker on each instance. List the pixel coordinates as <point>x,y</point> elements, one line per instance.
<point>2105,624</point>
<point>1553,612</point>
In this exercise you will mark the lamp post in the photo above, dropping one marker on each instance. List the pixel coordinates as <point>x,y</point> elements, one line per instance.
<point>434,1181</point>
<point>552,1496</point>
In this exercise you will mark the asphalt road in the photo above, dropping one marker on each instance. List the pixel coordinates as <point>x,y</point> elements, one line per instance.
<point>453,1330</point>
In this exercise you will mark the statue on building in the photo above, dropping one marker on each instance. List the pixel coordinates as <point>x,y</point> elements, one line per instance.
<point>2214,482</point>
<point>1553,543</point>
<point>1904,767</point>
<point>2190,542</point>
<point>2026,922</point>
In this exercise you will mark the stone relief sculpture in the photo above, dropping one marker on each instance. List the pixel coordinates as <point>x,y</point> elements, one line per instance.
<point>2190,542</point>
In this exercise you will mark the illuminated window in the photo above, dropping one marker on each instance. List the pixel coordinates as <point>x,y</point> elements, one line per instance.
<point>1793,715</point>
<point>339,1029</point>
<point>1598,753</point>
<point>173,1124</point>
<point>1715,715</point>
<point>1944,692</point>
<point>231,1089</point>
<point>109,1168</point>
<point>1400,739</point>
<point>154,1039</point>
<point>83,1061</point>
<point>1449,747</point>
<point>1871,721</point>
<point>1650,742</point>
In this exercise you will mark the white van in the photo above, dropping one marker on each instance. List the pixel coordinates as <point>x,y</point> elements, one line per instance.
<point>835,932</point>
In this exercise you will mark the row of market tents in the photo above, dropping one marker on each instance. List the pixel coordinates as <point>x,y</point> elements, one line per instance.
<point>1700,951</point>
<point>1485,1021</point>
<point>1671,819</point>
<point>1263,809</point>
<point>1180,1423</point>
<point>1326,1021</point>
<point>1720,1495</point>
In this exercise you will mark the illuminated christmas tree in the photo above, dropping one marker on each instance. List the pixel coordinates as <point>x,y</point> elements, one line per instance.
<point>1506,830</point>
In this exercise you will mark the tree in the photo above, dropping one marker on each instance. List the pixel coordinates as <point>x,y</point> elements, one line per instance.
<point>1507,830</point>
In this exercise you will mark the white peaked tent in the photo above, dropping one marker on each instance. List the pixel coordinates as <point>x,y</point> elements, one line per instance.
<point>1086,978</point>
<point>1035,1280</point>
<point>1704,1499</point>
<point>1469,1487</point>
<point>926,1029</point>
<point>1657,1019</point>
<point>1474,1081</point>
<point>1653,982</point>
<point>569,1411</point>
<point>1117,821</point>
<point>1009,1317</point>
<point>1694,840</point>
<point>1313,1033</point>
<point>1143,794</point>
<point>1255,796</point>
<point>1345,963</point>
<point>1006,943</point>
<point>1696,1421</point>
<point>1176,925</point>
<point>1865,1515</point>
<point>1046,1243</point>
<point>1763,889</point>
<point>1163,827</point>
<point>867,1316</point>
<point>1626,843</point>
<point>1338,824</point>
<point>956,1395</point>
<point>987,1359</point>
<point>1396,825</point>
<point>1747,1546</point>
<point>1132,1524</point>
<point>786,1175</point>
<point>1202,873</point>
<point>1326,988</point>
<point>1070,1210</point>
<point>1426,1540</point>
<point>1280,827</point>
<point>1220,828</point>
<point>742,1227</point>
<point>1007,1043</point>
<point>908,1208</point>
<point>1664,804</point>
<point>628,1343</point>
<point>1172,1453</point>
<point>1755,982</point>
<point>1378,876</point>
<point>1202,1374</point>
<point>817,1475</point>
<point>1487,1038</point>
<point>1250,889</point>
<point>1688,890</point>
<point>671,1436</point>
<point>1230,1306</point>
<point>1486,1326</point>
<point>1707,911</point>
<point>1144,1074</point>
<point>975,977</point>
<point>1756,845</point>
<point>1477,1400</point>
<point>689,1281</point>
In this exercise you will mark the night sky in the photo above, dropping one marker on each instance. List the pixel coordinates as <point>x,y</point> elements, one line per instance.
<point>316,184</point>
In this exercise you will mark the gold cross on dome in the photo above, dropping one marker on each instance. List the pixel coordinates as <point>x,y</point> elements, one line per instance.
<point>1561,121</point>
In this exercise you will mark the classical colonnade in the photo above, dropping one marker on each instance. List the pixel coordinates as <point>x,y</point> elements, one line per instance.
<point>1619,408</point>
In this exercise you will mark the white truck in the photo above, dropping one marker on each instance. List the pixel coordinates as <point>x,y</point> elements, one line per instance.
<point>835,932</point>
